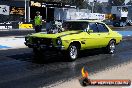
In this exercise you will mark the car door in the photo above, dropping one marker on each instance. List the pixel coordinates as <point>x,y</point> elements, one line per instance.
<point>103,34</point>
<point>92,38</point>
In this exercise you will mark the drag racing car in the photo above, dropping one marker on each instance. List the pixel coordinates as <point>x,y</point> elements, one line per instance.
<point>77,35</point>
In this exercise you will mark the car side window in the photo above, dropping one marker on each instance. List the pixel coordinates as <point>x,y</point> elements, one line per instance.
<point>102,28</point>
<point>93,26</point>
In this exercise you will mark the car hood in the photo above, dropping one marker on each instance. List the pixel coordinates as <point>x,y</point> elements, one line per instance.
<point>44,35</point>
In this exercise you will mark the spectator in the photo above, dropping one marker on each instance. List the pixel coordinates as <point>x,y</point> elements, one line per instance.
<point>38,22</point>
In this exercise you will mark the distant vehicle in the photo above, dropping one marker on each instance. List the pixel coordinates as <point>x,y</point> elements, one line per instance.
<point>120,15</point>
<point>77,35</point>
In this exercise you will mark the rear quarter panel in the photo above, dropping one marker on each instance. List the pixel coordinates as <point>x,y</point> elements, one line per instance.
<point>114,35</point>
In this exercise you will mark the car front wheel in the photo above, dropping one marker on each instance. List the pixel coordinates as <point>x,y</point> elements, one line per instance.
<point>73,52</point>
<point>37,52</point>
<point>111,47</point>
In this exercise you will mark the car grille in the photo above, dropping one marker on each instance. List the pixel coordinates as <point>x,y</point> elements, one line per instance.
<point>44,41</point>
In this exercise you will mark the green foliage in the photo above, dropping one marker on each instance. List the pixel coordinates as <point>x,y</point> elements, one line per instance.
<point>130,2</point>
<point>82,4</point>
<point>116,2</point>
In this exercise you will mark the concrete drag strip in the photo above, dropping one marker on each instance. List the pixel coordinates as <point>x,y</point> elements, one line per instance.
<point>11,43</point>
<point>113,73</point>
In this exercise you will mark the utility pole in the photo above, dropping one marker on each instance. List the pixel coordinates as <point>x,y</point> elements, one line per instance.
<point>46,12</point>
<point>28,11</point>
<point>25,10</point>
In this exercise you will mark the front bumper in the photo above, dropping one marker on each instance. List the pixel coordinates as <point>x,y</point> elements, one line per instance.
<point>41,46</point>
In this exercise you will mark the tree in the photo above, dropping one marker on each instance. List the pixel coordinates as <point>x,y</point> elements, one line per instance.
<point>78,3</point>
<point>98,7</point>
<point>82,4</point>
<point>130,2</point>
<point>116,2</point>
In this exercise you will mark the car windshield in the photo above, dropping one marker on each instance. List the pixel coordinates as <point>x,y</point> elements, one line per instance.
<point>75,25</point>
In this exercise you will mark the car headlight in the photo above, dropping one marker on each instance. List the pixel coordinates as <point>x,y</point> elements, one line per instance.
<point>59,42</point>
<point>38,42</point>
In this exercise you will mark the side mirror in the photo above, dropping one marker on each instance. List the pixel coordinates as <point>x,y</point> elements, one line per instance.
<point>90,31</point>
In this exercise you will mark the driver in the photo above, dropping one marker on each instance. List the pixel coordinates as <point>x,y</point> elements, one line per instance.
<point>85,27</point>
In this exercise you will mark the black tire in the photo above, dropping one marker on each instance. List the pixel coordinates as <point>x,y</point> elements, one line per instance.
<point>111,47</point>
<point>73,52</point>
<point>37,52</point>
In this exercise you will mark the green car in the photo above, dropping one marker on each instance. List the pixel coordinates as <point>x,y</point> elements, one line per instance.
<point>77,35</point>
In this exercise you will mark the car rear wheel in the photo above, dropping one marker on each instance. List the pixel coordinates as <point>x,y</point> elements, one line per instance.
<point>111,47</point>
<point>73,52</point>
